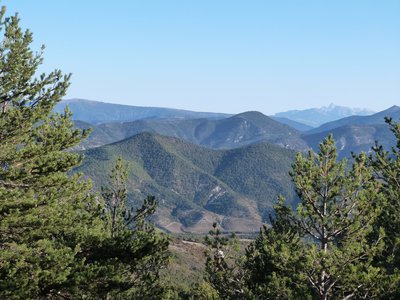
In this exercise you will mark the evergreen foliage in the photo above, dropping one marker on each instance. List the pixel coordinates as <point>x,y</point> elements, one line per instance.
<point>117,216</point>
<point>322,250</point>
<point>45,216</point>
<point>55,238</point>
<point>387,170</point>
<point>274,259</point>
<point>336,213</point>
<point>223,268</point>
<point>133,247</point>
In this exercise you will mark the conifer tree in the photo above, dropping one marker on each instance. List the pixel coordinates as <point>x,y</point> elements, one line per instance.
<point>54,240</point>
<point>130,258</point>
<point>322,250</point>
<point>274,259</point>
<point>45,215</point>
<point>336,212</point>
<point>116,214</point>
<point>387,170</point>
<point>224,271</point>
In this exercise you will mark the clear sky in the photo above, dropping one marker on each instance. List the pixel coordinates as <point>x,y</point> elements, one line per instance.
<point>222,55</point>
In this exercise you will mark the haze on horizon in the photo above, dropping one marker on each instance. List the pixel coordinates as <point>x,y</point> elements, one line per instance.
<point>223,56</point>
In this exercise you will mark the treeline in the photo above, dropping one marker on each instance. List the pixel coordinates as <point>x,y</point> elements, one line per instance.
<point>60,240</point>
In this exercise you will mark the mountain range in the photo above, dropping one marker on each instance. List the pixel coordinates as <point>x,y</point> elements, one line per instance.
<point>225,168</point>
<point>96,112</point>
<point>232,132</point>
<point>377,118</point>
<point>356,133</point>
<point>353,134</point>
<point>315,117</point>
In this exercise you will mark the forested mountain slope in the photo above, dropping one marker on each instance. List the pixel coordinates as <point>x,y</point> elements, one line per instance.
<point>196,186</point>
<point>233,132</point>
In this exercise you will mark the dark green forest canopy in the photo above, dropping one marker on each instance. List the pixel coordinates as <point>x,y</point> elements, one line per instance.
<point>193,183</point>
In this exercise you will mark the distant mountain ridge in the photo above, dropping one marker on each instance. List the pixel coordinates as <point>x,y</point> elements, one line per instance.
<point>296,125</point>
<point>232,132</point>
<point>197,186</point>
<point>317,116</point>
<point>356,133</point>
<point>96,112</point>
<point>354,138</point>
<point>352,134</point>
<point>377,118</point>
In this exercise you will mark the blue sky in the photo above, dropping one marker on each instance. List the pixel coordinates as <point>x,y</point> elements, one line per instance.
<point>222,55</point>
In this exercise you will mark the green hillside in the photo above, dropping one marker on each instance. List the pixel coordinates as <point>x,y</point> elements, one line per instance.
<point>233,132</point>
<point>195,185</point>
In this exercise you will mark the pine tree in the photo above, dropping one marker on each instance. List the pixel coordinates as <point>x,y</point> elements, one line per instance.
<point>114,195</point>
<point>323,250</point>
<point>274,259</point>
<point>224,271</point>
<point>336,212</point>
<point>129,260</point>
<point>55,239</point>
<point>45,215</point>
<point>387,170</point>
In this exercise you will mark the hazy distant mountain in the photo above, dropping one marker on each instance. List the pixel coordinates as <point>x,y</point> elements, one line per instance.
<point>296,125</point>
<point>317,116</point>
<point>233,132</point>
<point>356,133</point>
<point>98,136</point>
<point>354,138</point>
<point>377,118</point>
<point>197,186</point>
<point>95,112</point>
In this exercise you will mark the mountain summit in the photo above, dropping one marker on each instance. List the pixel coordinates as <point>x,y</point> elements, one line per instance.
<point>317,116</point>
<point>377,118</point>
<point>233,132</point>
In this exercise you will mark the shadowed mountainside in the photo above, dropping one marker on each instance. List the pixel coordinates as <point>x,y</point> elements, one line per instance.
<point>294,124</point>
<point>233,132</point>
<point>354,138</point>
